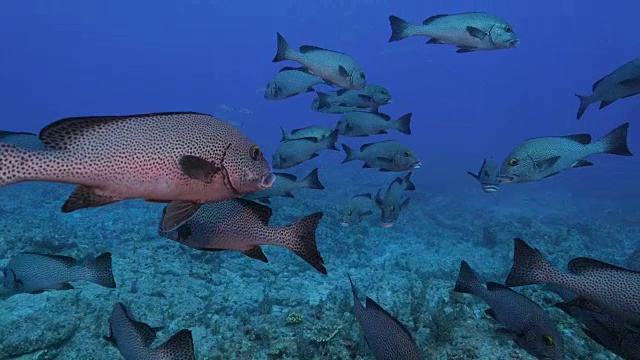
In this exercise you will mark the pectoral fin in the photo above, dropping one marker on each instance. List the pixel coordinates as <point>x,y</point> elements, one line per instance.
<point>547,163</point>
<point>198,168</point>
<point>633,83</point>
<point>177,213</point>
<point>343,72</point>
<point>476,33</point>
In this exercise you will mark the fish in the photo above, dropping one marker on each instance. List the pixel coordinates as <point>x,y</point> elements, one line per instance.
<point>613,289</point>
<point>22,139</point>
<point>619,84</point>
<point>604,329</point>
<point>543,157</point>
<point>387,338</point>
<point>183,158</point>
<point>471,31</point>
<point>371,97</point>
<point>393,202</point>
<point>524,321</point>
<point>34,273</point>
<point>314,133</point>
<point>289,82</point>
<point>336,108</point>
<point>285,184</point>
<point>388,155</point>
<point>358,208</point>
<point>364,123</point>
<point>134,338</point>
<point>334,67</point>
<point>294,152</point>
<point>488,176</point>
<point>243,225</point>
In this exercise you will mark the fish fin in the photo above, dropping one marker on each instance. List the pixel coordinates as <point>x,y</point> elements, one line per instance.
<point>310,48</point>
<point>351,154</point>
<point>365,97</point>
<point>198,168</point>
<point>615,142</point>
<point>434,41</point>
<point>65,286</point>
<point>179,346</point>
<point>323,100</point>
<point>314,155</point>
<point>384,170</point>
<point>256,253</point>
<point>529,266</point>
<point>552,174</point>
<point>366,213</point>
<point>463,50</point>
<point>382,132</point>
<point>467,282</point>
<point>373,306</point>
<point>595,84</point>
<point>630,82</point>
<point>289,177</point>
<point>145,331</point>
<point>476,33</point>
<point>110,340</point>
<point>384,159</point>
<point>300,238</point>
<point>378,199</point>
<point>410,186</point>
<point>433,18</point>
<point>66,260</point>
<point>288,194</point>
<point>85,197</point>
<point>547,163</point>
<point>405,203</point>
<point>331,141</point>
<point>284,50</point>
<point>491,313</point>
<point>99,271</point>
<point>285,134</point>
<point>581,163</point>
<point>403,124</point>
<point>177,213</point>
<point>312,181</point>
<point>366,166</point>
<point>585,101</point>
<point>36,292</point>
<point>343,72</point>
<point>398,28</point>
<point>341,92</point>
<point>367,195</point>
<point>604,104</point>
<point>290,68</point>
<point>584,139</point>
<point>583,265</point>
<point>264,201</point>
<point>311,89</point>
<point>261,211</point>
<point>382,116</point>
<point>474,175</point>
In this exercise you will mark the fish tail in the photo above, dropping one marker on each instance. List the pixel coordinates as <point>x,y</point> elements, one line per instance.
<point>18,164</point>
<point>179,346</point>
<point>312,181</point>
<point>300,238</point>
<point>332,139</point>
<point>357,308</point>
<point>529,266</point>
<point>323,100</point>
<point>399,28</point>
<point>351,154</point>
<point>585,101</point>
<point>403,124</point>
<point>99,271</point>
<point>615,142</point>
<point>284,50</point>
<point>409,185</point>
<point>468,282</point>
<point>285,135</point>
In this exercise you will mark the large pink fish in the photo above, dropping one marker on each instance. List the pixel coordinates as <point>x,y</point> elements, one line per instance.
<point>185,158</point>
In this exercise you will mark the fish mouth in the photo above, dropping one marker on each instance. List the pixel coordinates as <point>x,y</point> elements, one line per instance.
<point>267,181</point>
<point>416,165</point>
<point>505,179</point>
<point>513,43</point>
<point>489,189</point>
<point>345,224</point>
<point>387,225</point>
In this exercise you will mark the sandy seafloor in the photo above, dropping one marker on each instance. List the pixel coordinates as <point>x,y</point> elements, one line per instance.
<point>237,307</point>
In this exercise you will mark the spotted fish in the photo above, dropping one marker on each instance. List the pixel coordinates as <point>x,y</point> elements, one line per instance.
<point>524,320</point>
<point>393,201</point>
<point>388,155</point>
<point>134,338</point>
<point>34,273</point>
<point>243,225</point>
<point>184,158</point>
<point>387,338</point>
<point>613,289</point>
<point>488,176</point>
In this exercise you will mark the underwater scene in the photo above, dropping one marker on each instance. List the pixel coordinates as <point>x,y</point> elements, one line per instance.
<point>328,179</point>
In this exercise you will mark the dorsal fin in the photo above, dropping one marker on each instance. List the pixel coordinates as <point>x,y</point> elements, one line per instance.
<point>263,212</point>
<point>433,18</point>
<point>372,306</point>
<point>584,139</point>
<point>67,260</point>
<point>305,49</point>
<point>582,264</point>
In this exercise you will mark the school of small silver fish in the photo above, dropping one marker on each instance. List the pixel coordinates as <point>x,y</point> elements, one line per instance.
<point>215,181</point>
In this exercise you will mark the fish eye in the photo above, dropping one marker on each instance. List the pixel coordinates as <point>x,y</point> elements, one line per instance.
<point>254,152</point>
<point>508,29</point>
<point>407,154</point>
<point>548,340</point>
<point>513,162</point>
<point>362,75</point>
<point>349,213</point>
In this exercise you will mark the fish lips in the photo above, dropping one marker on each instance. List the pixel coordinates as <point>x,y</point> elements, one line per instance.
<point>489,188</point>
<point>387,225</point>
<point>345,224</point>
<point>267,181</point>
<point>416,165</point>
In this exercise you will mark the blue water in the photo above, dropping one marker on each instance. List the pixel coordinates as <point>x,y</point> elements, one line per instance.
<point>70,58</point>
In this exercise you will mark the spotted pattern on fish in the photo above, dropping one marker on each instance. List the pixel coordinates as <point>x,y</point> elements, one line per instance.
<point>139,156</point>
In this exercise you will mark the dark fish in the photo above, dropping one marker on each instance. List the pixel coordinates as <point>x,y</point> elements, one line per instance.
<point>294,152</point>
<point>337,108</point>
<point>359,206</point>
<point>34,273</point>
<point>370,98</point>
<point>604,329</point>
<point>388,155</point>
<point>335,67</point>
<point>360,123</point>
<point>613,289</point>
<point>313,133</point>
<point>469,31</point>
<point>393,202</point>
<point>243,225</point>
<point>488,176</point>
<point>524,320</point>
<point>23,139</point>
<point>285,184</point>
<point>387,338</point>
<point>621,83</point>
<point>543,157</point>
<point>184,158</point>
<point>290,82</point>
<point>134,338</point>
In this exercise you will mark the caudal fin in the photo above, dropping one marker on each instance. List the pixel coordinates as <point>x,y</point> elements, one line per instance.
<point>178,347</point>
<point>615,142</point>
<point>312,181</point>
<point>468,281</point>
<point>323,101</point>
<point>584,103</point>
<point>357,310</point>
<point>331,140</point>
<point>403,124</point>
<point>283,49</point>
<point>529,266</point>
<point>351,154</point>
<point>285,135</point>
<point>99,271</point>
<point>300,238</point>
<point>398,28</point>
